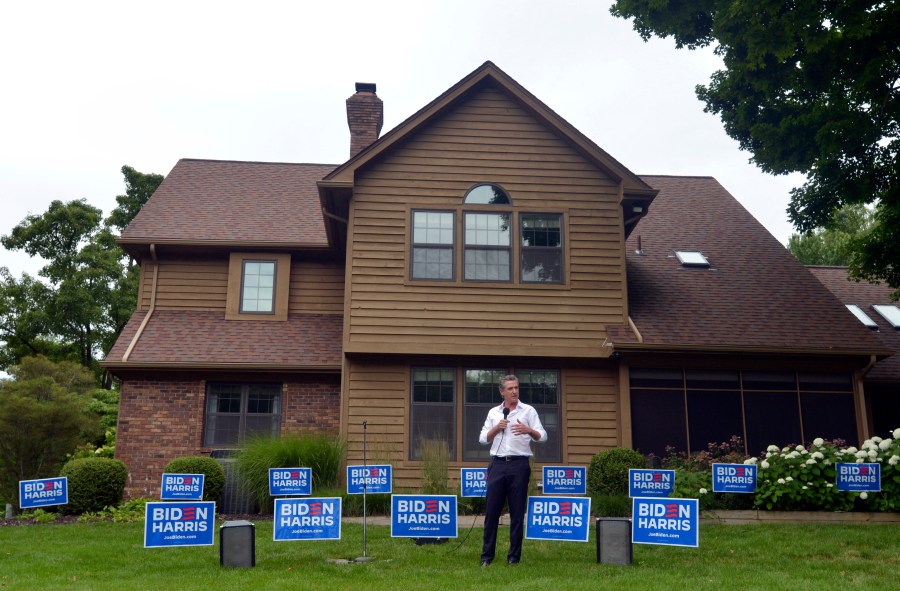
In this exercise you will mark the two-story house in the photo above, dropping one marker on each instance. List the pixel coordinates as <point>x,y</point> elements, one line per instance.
<point>482,236</point>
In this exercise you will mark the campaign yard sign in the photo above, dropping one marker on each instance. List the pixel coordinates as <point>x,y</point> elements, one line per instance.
<point>307,519</point>
<point>650,483</point>
<point>183,523</point>
<point>858,477</point>
<point>43,493</point>
<point>473,482</point>
<point>564,480</point>
<point>565,519</point>
<point>423,516</point>
<point>375,479</point>
<point>734,478</point>
<point>182,487</point>
<point>290,481</point>
<point>671,522</point>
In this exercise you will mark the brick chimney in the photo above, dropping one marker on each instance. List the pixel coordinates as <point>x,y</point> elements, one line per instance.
<point>365,116</point>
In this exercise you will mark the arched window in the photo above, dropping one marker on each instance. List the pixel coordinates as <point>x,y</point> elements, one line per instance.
<point>487,194</point>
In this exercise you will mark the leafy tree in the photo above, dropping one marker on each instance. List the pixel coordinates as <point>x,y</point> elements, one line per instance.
<point>43,417</point>
<point>90,284</point>
<point>808,86</point>
<point>834,244</point>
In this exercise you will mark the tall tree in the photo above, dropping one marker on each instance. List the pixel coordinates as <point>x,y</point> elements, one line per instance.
<point>90,284</point>
<point>834,244</point>
<point>44,415</point>
<point>809,86</point>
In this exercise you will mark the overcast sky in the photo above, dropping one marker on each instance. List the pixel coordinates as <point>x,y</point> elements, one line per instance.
<point>90,86</point>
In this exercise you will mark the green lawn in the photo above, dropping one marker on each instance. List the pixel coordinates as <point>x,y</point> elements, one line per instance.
<point>111,556</point>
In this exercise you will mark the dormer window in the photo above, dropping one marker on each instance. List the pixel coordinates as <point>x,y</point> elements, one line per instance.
<point>258,286</point>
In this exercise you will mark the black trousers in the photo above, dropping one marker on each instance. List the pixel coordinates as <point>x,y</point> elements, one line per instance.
<point>507,481</point>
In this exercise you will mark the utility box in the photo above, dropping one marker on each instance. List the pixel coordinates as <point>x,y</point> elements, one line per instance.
<point>614,540</point>
<point>237,544</point>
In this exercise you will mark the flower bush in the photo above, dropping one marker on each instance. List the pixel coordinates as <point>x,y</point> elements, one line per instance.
<point>799,478</point>
<point>693,474</point>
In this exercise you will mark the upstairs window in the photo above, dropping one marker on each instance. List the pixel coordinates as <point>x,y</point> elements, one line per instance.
<point>541,248</point>
<point>486,195</point>
<point>258,287</point>
<point>433,241</point>
<point>487,247</point>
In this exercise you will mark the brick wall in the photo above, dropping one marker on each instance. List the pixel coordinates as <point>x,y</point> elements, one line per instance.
<point>163,420</point>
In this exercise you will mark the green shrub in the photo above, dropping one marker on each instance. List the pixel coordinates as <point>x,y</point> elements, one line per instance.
<point>352,505</point>
<point>94,483</point>
<point>610,505</point>
<point>127,512</point>
<point>608,471</point>
<point>435,463</point>
<point>214,481</point>
<point>321,452</point>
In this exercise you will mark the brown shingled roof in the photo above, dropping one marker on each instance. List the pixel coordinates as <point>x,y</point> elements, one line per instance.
<point>864,294</point>
<point>755,296</point>
<point>204,339</point>
<point>244,202</point>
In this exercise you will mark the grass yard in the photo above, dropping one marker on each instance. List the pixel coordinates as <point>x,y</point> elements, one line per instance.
<point>110,556</point>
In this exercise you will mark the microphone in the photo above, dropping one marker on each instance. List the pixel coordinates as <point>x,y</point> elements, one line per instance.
<point>505,413</point>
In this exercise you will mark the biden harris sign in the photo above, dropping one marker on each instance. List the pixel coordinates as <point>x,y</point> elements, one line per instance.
<point>672,522</point>
<point>369,479</point>
<point>179,524</point>
<point>473,482</point>
<point>182,487</point>
<point>43,493</point>
<point>858,477</point>
<point>564,480</point>
<point>307,519</point>
<point>290,481</point>
<point>650,483</point>
<point>734,478</point>
<point>423,516</point>
<point>564,519</point>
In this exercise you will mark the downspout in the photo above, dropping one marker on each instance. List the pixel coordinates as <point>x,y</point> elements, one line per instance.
<point>140,330</point>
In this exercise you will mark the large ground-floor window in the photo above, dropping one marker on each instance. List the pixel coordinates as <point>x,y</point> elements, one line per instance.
<point>449,405</point>
<point>689,409</point>
<point>237,411</point>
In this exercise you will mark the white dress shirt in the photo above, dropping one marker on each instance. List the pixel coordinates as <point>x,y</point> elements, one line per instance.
<point>505,443</point>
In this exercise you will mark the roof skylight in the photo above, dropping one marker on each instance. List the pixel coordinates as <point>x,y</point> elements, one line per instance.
<point>862,316</point>
<point>691,258</point>
<point>889,313</point>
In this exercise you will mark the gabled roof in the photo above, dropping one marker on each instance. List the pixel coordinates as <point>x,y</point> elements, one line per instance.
<point>178,339</point>
<point>754,297</point>
<point>864,295</point>
<point>336,188</point>
<point>246,204</point>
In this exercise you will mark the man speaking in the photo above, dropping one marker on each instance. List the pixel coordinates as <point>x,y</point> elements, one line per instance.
<point>509,429</point>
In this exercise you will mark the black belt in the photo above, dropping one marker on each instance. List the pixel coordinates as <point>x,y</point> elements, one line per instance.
<point>510,458</point>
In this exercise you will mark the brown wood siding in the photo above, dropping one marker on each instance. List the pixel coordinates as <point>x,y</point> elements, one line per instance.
<point>489,138</point>
<point>202,284</point>
<point>591,412</point>
<point>316,287</point>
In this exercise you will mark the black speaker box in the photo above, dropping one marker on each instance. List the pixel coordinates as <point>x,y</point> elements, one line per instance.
<point>237,544</point>
<point>614,541</point>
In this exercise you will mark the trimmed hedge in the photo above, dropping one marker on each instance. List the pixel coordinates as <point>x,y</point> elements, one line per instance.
<point>608,471</point>
<point>94,484</point>
<point>213,484</point>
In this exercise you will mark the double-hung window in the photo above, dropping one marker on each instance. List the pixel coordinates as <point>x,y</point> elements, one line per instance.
<point>433,242</point>
<point>487,247</point>
<point>237,411</point>
<point>541,248</point>
<point>258,286</point>
<point>433,413</point>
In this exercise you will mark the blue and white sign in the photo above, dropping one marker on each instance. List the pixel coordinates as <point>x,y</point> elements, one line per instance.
<point>565,480</point>
<point>671,522</point>
<point>375,479</point>
<point>290,481</point>
<point>650,483</point>
<point>473,482</point>
<point>858,477</point>
<point>307,519</point>
<point>423,516</point>
<point>43,493</point>
<point>734,478</point>
<point>181,523</point>
<point>182,487</point>
<point>565,519</point>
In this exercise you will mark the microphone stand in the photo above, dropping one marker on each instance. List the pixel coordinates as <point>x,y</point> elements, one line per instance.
<point>364,558</point>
